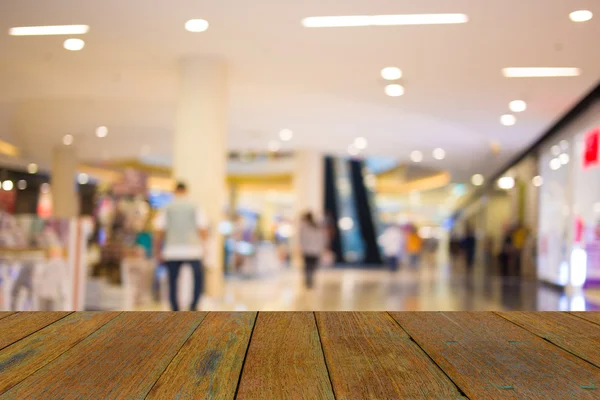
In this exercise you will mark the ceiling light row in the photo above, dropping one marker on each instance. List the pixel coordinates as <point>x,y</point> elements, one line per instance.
<point>383,20</point>
<point>393,74</point>
<point>416,156</point>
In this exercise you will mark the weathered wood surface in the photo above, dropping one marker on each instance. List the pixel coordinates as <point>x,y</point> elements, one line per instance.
<point>300,355</point>
<point>590,316</point>
<point>489,357</point>
<point>209,364</point>
<point>4,314</point>
<point>17,326</point>
<point>122,359</point>
<point>285,359</point>
<point>26,356</point>
<point>573,334</point>
<point>370,357</point>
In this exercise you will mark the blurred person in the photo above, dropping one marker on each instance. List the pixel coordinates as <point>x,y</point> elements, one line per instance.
<point>392,241</point>
<point>414,246</point>
<point>312,244</point>
<point>519,239</point>
<point>469,245</point>
<point>506,249</point>
<point>181,233</point>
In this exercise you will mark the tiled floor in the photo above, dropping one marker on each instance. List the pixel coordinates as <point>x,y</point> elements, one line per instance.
<point>426,289</point>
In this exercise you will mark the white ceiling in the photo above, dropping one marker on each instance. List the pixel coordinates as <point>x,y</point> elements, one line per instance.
<point>324,84</point>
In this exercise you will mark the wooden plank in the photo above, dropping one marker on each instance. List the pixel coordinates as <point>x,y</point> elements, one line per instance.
<point>5,314</point>
<point>573,334</point>
<point>491,358</point>
<point>209,364</point>
<point>285,359</point>
<point>370,357</point>
<point>589,316</point>
<point>20,325</point>
<point>122,359</point>
<point>26,356</point>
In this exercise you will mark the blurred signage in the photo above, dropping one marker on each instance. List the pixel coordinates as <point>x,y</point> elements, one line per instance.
<point>591,147</point>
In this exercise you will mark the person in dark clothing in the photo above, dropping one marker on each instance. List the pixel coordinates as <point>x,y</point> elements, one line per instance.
<point>469,245</point>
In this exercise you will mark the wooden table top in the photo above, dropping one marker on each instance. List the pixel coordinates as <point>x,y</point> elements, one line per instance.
<point>299,355</point>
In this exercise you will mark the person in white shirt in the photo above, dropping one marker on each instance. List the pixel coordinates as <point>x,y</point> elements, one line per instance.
<point>180,237</point>
<point>392,241</point>
<point>312,245</point>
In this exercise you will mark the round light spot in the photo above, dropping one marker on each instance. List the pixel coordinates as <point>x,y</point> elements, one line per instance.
<point>196,25</point>
<point>394,90</point>
<point>7,185</point>
<point>416,156</point>
<point>391,73</point>
<point>74,44</point>
<point>32,168</point>
<point>68,140</point>
<point>517,106</point>
<point>508,120</point>
<point>439,154</point>
<point>22,184</point>
<point>286,135</point>
<point>346,223</point>
<point>360,143</point>
<point>537,181</point>
<point>581,15</point>
<point>101,131</point>
<point>477,180</point>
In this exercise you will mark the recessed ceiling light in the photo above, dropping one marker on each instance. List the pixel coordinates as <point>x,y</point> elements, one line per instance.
<point>49,30</point>
<point>68,140</point>
<point>102,131</point>
<point>352,150</point>
<point>508,120</point>
<point>544,72</point>
<point>74,44</point>
<point>517,106</point>
<point>360,143</point>
<point>555,150</point>
<point>83,179</point>
<point>383,20</point>
<point>391,73</point>
<point>394,90</point>
<point>537,181</point>
<point>286,135</point>
<point>564,158</point>
<point>32,168</point>
<point>274,146</point>
<point>555,164</point>
<point>22,184</point>
<point>581,15</point>
<point>7,185</point>
<point>416,156</point>
<point>506,182</point>
<point>196,25</point>
<point>477,180</point>
<point>439,154</point>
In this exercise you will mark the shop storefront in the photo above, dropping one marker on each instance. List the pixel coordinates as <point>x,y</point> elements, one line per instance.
<point>569,222</point>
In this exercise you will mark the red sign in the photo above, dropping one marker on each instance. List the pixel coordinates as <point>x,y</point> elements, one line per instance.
<point>591,147</point>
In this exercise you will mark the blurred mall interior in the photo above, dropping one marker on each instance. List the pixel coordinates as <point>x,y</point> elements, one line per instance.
<point>448,150</point>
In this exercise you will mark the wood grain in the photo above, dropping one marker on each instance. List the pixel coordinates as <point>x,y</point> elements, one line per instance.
<point>5,314</point>
<point>123,359</point>
<point>285,359</point>
<point>209,364</point>
<point>491,358</point>
<point>26,356</point>
<point>573,334</point>
<point>589,316</point>
<point>16,327</point>
<point>370,357</point>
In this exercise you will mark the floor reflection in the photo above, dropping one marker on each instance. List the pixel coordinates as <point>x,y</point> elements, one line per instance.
<point>435,288</point>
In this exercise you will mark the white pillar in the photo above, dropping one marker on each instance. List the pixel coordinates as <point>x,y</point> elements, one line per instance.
<point>200,150</point>
<point>309,170</point>
<point>65,203</point>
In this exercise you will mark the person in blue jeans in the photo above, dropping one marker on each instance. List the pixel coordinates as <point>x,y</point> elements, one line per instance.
<point>181,231</point>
